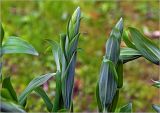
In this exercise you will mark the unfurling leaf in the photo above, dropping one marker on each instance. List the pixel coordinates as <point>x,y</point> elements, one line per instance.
<point>146,47</point>
<point>69,47</point>
<point>108,75</point>
<point>74,23</point>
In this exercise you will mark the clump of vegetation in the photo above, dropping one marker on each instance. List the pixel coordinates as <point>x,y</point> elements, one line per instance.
<point>111,73</point>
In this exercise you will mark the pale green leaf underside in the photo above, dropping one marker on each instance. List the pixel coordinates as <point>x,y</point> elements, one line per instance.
<point>36,82</point>
<point>145,46</point>
<point>17,45</point>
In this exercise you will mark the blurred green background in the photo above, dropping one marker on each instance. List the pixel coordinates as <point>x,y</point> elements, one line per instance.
<point>37,20</point>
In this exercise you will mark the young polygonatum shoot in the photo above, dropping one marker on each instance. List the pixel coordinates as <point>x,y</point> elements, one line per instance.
<point>71,42</point>
<point>107,84</point>
<point>65,55</point>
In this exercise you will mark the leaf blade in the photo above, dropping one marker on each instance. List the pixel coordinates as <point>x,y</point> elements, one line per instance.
<point>107,83</point>
<point>126,108</point>
<point>36,82</point>
<point>17,45</point>
<point>129,54</point>
<point>7,84</point>
<point>146,47</point>
<point>45,98</point>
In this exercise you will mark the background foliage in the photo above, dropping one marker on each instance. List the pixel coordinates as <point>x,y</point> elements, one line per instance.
<point>35,21</point>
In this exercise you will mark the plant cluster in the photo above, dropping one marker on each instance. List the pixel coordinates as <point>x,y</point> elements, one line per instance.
<point>111,72</point>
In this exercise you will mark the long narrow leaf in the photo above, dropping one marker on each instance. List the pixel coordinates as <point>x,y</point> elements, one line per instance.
<point>36,82</point>
<point>145,46</point>
<point>7,84</point>
<point>62,43</point>
<point>17,45</point>
<point>44,96</point>
<point>56,52</point>
<point>68,80</point>
<point>58,100</point>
